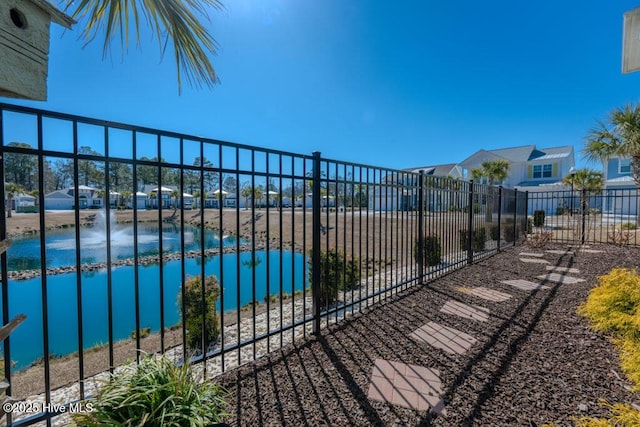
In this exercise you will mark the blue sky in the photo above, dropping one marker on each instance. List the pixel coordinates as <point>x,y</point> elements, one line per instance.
<point>399,85</point>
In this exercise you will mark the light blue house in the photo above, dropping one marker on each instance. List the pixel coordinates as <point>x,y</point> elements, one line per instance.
<point>620,193</point>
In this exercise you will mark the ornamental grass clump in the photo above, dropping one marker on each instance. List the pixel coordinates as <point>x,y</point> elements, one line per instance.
<point>156,392</point>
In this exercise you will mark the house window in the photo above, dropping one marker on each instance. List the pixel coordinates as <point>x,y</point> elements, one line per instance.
<point>543,171</point>
<point>625,165</point>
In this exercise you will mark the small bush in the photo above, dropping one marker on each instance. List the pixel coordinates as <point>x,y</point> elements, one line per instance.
<point>628,226</point>
<point>476,208</point>
<point>144,332</point>
<point>194,315</point>
<point>509,232</point>
<point>477,241</point>
<point>538,218</point>
<point>154,393</point>
<point>494,231</point>
<point>336,274</point>
<point>614,305</point>
<point>431,251</point>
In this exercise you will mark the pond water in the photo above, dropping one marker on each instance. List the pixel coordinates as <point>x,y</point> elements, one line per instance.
<point>244,279</point>
<point>24,253</point>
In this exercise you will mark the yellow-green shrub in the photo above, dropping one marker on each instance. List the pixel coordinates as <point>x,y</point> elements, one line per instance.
<point>614,305</point>
<point>621,416</point>
<point>630,360</point>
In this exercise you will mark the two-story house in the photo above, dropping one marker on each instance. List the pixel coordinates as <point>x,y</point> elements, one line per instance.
<point>620,190</point>
<point>530,168</point>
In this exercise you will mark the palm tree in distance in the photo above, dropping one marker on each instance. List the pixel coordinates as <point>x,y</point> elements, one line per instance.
<point>175,20</point>
<point>591,181</point>
<point>494,171</point>
<point>11,190</point>
<point>618,136</point>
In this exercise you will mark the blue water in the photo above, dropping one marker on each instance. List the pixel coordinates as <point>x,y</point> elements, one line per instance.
<point>24,253</point>
<point>25,297</point>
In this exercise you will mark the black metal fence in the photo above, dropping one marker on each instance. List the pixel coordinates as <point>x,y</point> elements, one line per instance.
<point>130,240</point>
<point>589,216</point>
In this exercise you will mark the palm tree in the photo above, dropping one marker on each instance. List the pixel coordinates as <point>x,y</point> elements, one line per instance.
<point>246,192</point>
<point>620,136</point>
<point>257,194</point>
<point>124,196</point>
<point>589,180</point>
<point>11,190</point>
<point>494,171</point>
<point>167,19</point>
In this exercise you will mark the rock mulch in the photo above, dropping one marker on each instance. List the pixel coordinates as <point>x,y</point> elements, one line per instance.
<point>535,359</point>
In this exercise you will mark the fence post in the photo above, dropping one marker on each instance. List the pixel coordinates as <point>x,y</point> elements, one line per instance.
<point>470,225</point>
<point>515,216</point>
<point>499,215</point>
<point>583,205</point>
<point>315,252</point>
<point>420,252</point>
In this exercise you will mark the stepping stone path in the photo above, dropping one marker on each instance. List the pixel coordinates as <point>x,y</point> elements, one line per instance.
<point>591,251</point>
<point>532,254</point>
<point>534,260</point>
<point>525,285</point>
<point>562,269</point>
<point>466,311</point>
<point>486,293</point>
<point>560,278</point>
<point>409,386</point>
<point>560,252</point>
<point>443,337</point>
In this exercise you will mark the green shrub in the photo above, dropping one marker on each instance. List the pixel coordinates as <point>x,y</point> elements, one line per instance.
<point>431,251</point>
<point>475,207</point>
<point>194,315</point>
<point>538,218</point>
<point>508,233</point>
<point>477,240</point>
<point>628,226</point>
<point>453,208</point>
<point>494,232</point>
<point>154,393</point>
<point>614,307</point>
<point>336,274</point>
<point>144,332</point>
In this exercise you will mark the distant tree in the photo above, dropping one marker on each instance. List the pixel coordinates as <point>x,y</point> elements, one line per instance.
<point>494,171</point>
<point>90,172</point>
<point>585,179</point>
<point>120,175</point>
<point>258,193</point>
<point>229,185</point>
<point>247,192</point>
<point>11,190</point>
<point>21,169</point>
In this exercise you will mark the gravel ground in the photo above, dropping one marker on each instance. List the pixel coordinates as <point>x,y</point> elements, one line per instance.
<point>536,360</point>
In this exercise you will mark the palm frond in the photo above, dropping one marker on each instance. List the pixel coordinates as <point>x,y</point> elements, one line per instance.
<point>169,20</point>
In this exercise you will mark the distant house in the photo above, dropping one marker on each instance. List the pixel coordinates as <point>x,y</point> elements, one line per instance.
<point>620,191</point>
<point>397,191</point>
<point>23,202</point>
<point>65,199</point>
<point>530,168</point>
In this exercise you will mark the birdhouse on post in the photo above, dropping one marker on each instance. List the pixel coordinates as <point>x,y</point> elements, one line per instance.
<point>24,46</point>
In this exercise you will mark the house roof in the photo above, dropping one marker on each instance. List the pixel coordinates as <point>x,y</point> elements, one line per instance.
<point>56,15</point>
<point>58,194</point>
<point>538,183</point>
<point>522,154</point>
<point>437,170</point>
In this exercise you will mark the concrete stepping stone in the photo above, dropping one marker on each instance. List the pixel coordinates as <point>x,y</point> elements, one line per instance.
<point>410,386</point>
<point>560,278</point>
<point>591,251</point>
<point>578,246</point>
<point>531,254</point>
<point>443,337</point>
<point>562,269</point>
<point>560,252</point>
<point>486,293</point>
<point>525,285</point>
<point>534,260</point>
<point>473,312</point>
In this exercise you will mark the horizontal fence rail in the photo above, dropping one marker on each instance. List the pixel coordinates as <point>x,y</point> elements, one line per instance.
<point>588,216</point>
<point>129,240</point>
